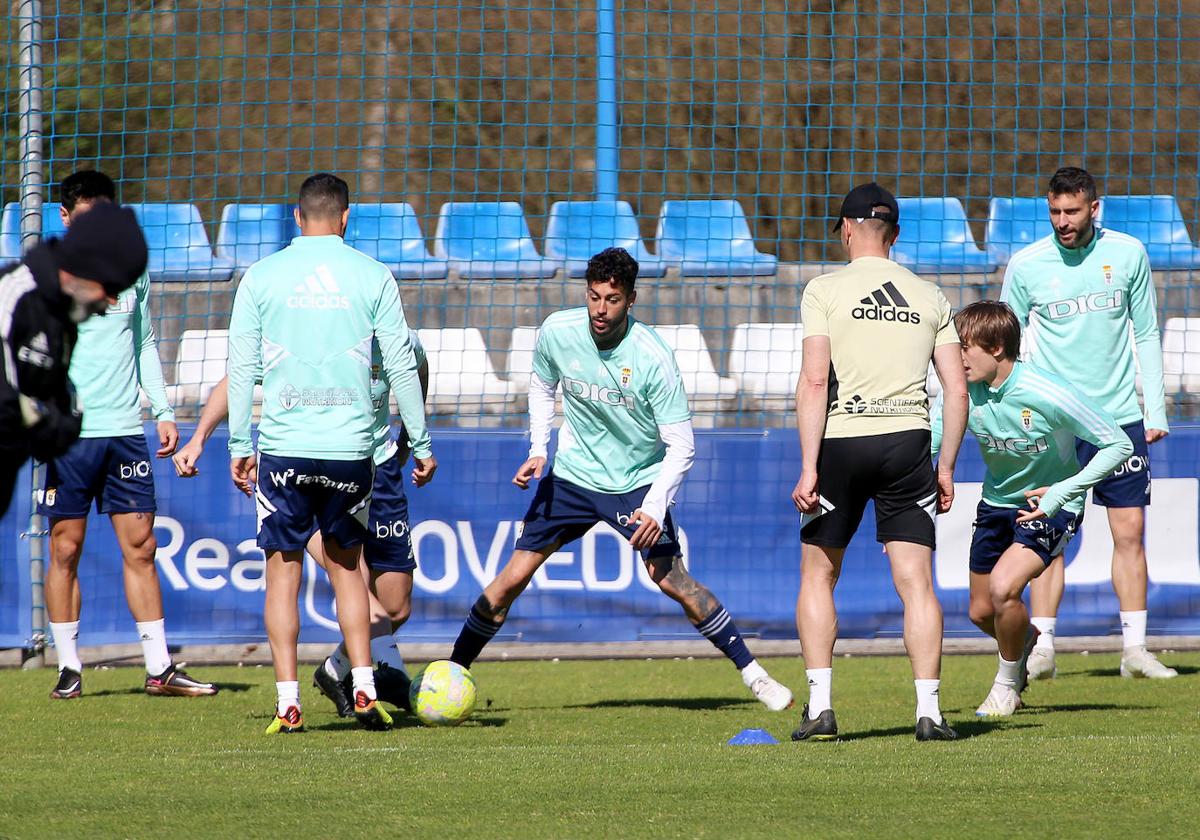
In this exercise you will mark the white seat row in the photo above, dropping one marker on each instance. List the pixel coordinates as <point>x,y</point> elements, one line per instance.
<point>764,361</point>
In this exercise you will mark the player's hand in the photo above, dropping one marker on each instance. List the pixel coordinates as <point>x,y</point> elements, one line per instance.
<point>531,469</point>
<point>1155,435</point>
<point>805,496</point>
<point>1034,512</point>
<point>945,482</point>
<point>186,457</point>
<point>168,438</point>
<point>244,472</point>
<point>647,533</point>
<point>423,472</point>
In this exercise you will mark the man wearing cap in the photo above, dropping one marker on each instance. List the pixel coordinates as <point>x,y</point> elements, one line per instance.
<point>109,466</point>
<point>43,299</point>
<point>870,330</point>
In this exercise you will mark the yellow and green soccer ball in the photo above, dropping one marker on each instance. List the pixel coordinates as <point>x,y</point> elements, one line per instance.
<point>442,694</point>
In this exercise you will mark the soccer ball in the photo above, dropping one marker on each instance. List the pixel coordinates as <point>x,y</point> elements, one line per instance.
<point>442,694</point>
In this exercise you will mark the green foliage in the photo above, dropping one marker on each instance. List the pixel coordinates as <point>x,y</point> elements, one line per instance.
<point>609,749</point>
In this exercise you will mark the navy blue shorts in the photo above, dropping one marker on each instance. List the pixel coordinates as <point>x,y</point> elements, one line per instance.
<point>388,546</point>
<point>996,529</point>
<point>114,472</point>
<point>563,512</point>
<point>294,493</point>
<point>1129,484</point>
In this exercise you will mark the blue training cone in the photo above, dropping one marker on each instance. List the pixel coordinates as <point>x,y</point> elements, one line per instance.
<point>752,736</point>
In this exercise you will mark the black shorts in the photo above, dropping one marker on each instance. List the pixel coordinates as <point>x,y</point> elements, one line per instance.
<point>893,469</point>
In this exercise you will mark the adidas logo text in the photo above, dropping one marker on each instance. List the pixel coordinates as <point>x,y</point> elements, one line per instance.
<point>318,291</point>
<point>886,304</point>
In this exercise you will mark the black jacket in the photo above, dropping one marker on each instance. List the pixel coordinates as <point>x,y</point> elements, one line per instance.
<point>37,336</point>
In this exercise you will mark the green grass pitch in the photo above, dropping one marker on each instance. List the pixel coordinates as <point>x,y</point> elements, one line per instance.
<point>610,749</point>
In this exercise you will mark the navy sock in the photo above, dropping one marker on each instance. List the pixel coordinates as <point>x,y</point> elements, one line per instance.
<point>720,629</point>
<point>476,632</point>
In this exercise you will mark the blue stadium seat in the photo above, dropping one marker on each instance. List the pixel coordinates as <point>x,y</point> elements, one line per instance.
<point>1014,223</point>
<point>1157,221</point>
<point>10,228</point>
<point>179,247</point>
<point>489,240</point>
<point>935,238</point>
<point>249,232</point>
<point>577,230</point>
<point>709,239</point>
<point>391,233</point>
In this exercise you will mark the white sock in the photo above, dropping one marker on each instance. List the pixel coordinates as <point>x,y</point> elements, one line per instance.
<point>1008,672</point>
<point>64,634</point>
<point>820,686</point>
<point>154,646</point>
<point>288,694</point>
<point>364,680</point>
<point>337,665</point>
<point>1045,625</point>
<point>1133,627</point>
<point>927,699</point>
<point>385,652</point>
<point>752,672</point>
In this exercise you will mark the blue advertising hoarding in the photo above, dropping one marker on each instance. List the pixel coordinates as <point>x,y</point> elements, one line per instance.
<point>737,524</point>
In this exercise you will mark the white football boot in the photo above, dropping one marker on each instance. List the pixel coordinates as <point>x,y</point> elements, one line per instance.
<point>1041,665</point>
<point>774,695</point>
<point>1002,701</point>
<point>1139,662</point>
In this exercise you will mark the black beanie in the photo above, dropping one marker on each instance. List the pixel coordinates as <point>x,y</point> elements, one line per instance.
<point>104,244</point>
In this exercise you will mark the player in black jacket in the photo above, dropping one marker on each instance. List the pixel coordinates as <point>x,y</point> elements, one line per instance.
<point>43,298</point>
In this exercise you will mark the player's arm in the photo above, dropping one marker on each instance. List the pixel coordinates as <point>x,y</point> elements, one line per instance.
<point>812,407</point>
<point>543,383</point>
<point>947,362</point>
<point>149,369</point>
<point>215,410</point>
<point>400,365</point>
<point>679,457</point>
<point>46,402</point>
<point>245,360</point>
<point>1015,294</point>
<point>402,450</point>
<point>812,393</point>
<point>1089,422</point>
<point>1143,313</point>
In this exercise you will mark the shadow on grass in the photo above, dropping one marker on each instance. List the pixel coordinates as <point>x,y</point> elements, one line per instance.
<point>1183,670</point>
<point>401,721</point>
<point>234,688</point>
<point>686,703</point>
<point>965,728</point>
<point>1050,708</point>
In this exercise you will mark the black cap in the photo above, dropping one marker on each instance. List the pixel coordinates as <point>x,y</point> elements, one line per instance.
<point>860,203</point>
<point>104,244</point>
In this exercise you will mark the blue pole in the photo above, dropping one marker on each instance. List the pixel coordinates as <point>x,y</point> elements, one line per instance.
<point>607,115</point>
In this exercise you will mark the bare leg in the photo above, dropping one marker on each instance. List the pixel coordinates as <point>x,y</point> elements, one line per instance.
<point>677,584</point>
<point>499,595</point>
<point>1046,590</point>
<point>62,576</point>
<point>912,574</point>
<point>281,612</point>
<point>1129,576</point>
<point>135,536</point>
<point>1016,567</point>
<point>816,616</point>
<point>981,611</point>
<point>350,593</point>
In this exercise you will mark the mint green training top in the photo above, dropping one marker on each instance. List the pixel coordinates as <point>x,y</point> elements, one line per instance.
<point>1026,431</point>
<point>306,317</point>
<point>1079,304</point>
<point>613,401</point>
<point>116,352</point>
